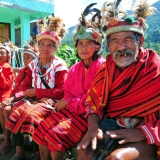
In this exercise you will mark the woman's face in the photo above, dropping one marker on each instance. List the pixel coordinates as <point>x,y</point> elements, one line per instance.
<point>3,55</point>
<point>86,49</point>
<point>27,58</point>
<point>46,48</point>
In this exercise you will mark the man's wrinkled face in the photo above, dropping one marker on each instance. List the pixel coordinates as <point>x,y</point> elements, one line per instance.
<point>123,48</point>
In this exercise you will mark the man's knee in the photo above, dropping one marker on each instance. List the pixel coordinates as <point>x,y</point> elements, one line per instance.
<point>118,155</point>
<point>83,154</point>
<point>87,153</point>
<point>139,151</point>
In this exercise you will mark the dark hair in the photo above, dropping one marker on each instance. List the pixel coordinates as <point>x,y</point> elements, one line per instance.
<point>137,37</point>
<point>95,55</point>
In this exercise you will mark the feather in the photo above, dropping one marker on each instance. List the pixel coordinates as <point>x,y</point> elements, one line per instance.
<point>90,22</point>
<point>98,15</point>
<point>87,9</point>
<point>117,3</point>
<point>116,7</point>
<point>144,10</point>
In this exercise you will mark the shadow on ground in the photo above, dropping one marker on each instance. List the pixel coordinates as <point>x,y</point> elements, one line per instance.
<point>29,154</point>
<point>11,152</point>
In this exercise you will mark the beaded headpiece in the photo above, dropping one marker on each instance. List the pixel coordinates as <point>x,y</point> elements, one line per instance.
<point>89,29</point>
<point>49,35</point>
<point>116,20</point>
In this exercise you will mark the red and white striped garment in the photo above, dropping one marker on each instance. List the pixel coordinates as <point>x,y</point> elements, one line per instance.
<point>56,65</point>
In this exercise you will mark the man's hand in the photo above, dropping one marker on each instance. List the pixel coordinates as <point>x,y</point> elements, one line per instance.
<point>30,93</point>
<point>127,135</point>
<point>91,137</point>
<point>93,133</point>
<point>60,104</point>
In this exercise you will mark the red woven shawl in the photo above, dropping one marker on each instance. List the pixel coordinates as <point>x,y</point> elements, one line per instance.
<point>133,93</point>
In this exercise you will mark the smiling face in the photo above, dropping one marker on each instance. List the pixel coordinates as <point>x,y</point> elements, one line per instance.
<point>124,48</point>
<point>3,55</point>
<point>86,49</point>
<point>46,48</point>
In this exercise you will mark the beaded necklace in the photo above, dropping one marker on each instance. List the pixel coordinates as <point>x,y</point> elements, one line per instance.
<point>45,67</point>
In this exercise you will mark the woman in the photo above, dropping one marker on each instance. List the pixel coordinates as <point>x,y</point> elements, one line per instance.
<point>45,77</point>
<point>6,74</point>
<point>28,55</point>
<point>66,127</point>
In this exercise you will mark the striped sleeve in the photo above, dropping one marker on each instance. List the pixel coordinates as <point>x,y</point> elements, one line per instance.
<point>152,132</point>
<point>93,102</point>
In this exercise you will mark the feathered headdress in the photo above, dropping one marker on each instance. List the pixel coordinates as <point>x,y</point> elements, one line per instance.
<point>89,28</point>
<point>41,24</point>
<point>56,24</point>
<point>115,20</point>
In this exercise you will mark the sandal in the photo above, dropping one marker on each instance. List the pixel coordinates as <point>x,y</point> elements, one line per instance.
<point>18,158</point>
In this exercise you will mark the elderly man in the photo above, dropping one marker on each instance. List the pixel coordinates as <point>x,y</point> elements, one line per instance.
<point>124,100</point>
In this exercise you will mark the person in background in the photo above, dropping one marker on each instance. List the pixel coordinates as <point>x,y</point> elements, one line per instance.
<point>6,74</point>
<point>45,77</point>
<point>28,55</point>
<point>65,128</point>
<point>124,99</point>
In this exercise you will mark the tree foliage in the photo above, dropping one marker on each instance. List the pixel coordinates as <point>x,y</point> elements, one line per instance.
<point>152,35</point>
<point>68,54</point>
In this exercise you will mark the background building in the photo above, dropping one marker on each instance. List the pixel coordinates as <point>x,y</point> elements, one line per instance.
<point>17,18</point>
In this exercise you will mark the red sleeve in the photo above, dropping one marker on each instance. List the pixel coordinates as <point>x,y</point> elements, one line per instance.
<point>6,77</point>
<point>18,82</point>
<point>27,82</point>
<point>57,91</point>
<point>152,132</point>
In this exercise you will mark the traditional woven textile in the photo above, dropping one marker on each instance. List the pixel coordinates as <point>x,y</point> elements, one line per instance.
<point>61,130</point>
<point>27,117</point>
<point>135,92</point>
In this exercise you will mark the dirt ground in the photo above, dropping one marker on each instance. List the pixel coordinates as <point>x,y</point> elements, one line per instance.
<point>11,152</point>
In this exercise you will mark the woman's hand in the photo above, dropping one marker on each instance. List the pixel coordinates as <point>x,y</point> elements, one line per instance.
<point>7,102</point>
<point>60,104</point>
<point>48,101</point>
<point>30,93</point>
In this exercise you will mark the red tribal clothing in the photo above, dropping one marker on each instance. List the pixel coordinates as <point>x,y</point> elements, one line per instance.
<point>6,81</point>
<point>19,78</point>
<point>55,76</point>
<point>65,128</point>
<point>27,116</point>
<point>133,92</point>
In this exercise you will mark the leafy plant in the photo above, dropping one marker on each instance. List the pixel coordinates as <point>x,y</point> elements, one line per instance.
<point>68,54</point>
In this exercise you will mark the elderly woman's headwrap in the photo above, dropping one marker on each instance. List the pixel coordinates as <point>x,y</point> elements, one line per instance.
<point>116,20</point>
<point>50,36</point>
<point>6,48</point>
<point>31,51</point>
<point>89,29</point>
